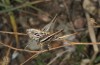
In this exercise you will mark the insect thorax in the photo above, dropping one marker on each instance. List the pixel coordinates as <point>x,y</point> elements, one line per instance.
<point>36,34</point>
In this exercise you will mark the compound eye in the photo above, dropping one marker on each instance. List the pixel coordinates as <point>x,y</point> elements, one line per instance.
<point>37,34</point>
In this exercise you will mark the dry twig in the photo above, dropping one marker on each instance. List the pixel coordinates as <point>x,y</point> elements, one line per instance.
<point>92,36</point>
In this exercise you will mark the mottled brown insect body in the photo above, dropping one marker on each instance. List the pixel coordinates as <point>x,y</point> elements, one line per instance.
<point>41,37</point>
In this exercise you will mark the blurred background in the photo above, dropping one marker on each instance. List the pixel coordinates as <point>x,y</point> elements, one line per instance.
<point>72,16</point>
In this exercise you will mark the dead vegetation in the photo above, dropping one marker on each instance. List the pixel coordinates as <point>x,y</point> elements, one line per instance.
<point>49,32</point>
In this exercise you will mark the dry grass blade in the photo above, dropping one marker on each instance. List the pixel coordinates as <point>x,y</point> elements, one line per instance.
<point>57,56</point>
<point>98,26</point>
<point>14,26</point>
<point>33,56</point>
<point>6,59</point>
<point>67,56</point>
<point>65,36</point>
<point>5,32</point>
<point>21,6</point>
<point>38,52</point>
<point>92,36</point>
<point>17,49</point>
<point>29,51</point>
